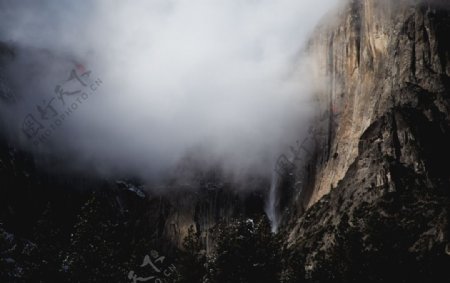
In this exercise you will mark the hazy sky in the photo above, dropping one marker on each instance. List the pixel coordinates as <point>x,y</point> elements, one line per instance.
<point>222,77</point>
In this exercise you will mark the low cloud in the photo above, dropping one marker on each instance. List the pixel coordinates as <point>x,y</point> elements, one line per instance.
<point>222,80</point>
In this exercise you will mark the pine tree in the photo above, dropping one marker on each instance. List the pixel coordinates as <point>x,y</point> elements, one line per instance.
<point>94,252</point>
<point>192,259</point>
<point>246,252</point>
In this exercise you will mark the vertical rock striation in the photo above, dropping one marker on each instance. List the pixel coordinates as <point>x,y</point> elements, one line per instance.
<point>378,197</point>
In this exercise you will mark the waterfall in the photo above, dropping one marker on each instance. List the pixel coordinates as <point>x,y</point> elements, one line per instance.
<point>271,208</point>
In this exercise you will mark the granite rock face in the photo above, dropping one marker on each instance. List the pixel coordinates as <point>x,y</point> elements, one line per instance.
<point>373,201</point>
<point>377,198</point>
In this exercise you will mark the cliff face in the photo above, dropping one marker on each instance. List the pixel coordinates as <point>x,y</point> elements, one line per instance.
<point>378,194</point>
<point>381,55</point>
<point>204,208</point>
<point>71,225</point>
<point>371,205</point>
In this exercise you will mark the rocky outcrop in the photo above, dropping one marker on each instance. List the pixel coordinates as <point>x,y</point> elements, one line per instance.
<point>370,205</point>
<point>379,192</point>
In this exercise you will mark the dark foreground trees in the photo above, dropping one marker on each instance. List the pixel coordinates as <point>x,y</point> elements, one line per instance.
<point>245,250</point>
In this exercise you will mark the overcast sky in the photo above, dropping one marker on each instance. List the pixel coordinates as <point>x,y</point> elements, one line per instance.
<point>226,78</point>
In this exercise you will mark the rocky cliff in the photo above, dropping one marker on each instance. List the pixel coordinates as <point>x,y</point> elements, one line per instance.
<point>369,203</point>
<point>378,190</point>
